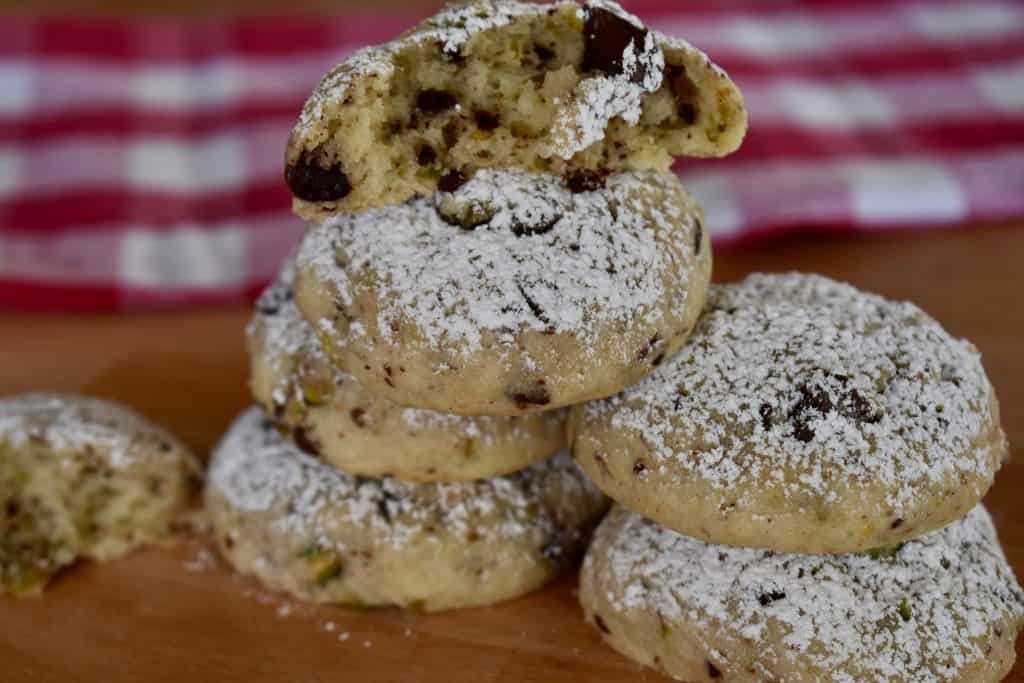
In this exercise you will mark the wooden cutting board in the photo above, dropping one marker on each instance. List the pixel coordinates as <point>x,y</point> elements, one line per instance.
<point>176,613</point>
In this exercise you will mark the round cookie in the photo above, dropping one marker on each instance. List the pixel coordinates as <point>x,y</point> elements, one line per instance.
<point>500,84</point>
<point>803,415</point>
<point>328,413</point>
<point>511,294</point>
<point>303,527</point>
<point>942,608</point>
<point>80,477</point>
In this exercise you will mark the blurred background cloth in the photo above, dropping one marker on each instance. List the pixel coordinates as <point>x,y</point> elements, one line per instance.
<point>141,161</point>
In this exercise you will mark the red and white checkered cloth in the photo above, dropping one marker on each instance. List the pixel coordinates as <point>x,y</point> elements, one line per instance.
<point>141,161</point>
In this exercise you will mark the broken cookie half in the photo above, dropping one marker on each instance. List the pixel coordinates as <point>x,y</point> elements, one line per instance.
<point>561,88</point>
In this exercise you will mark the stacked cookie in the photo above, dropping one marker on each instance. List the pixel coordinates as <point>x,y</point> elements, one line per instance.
<point>816,456</point>
<point>494,236</point>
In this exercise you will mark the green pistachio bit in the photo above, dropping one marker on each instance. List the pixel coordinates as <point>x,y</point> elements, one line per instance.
<point>905,612</point>
<point>330,572</point>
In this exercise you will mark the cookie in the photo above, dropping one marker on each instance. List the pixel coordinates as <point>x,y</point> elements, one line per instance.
<point>510,295</point>
<point>576,91</point>
<point>302,527</point>
<point>803,415</point>
<point>942,608</point>
<point>80,477</point>
<point>328,413</point>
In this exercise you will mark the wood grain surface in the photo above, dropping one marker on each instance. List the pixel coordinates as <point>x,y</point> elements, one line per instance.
<point>176,614</point>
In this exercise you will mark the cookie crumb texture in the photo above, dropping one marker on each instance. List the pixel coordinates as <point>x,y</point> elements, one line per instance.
<point>511,295</point>
<point>328,412</point>
<point>803,415</point>
<point>81,477</point>
<point>549,88</point>
<point>942,608</point>
<point>302,527</point>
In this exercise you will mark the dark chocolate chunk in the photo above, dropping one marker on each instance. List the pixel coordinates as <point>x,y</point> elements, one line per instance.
<point>698,236</point>
<point>531,396</point>
<point>426,155</point>
<point>314,183</point>
<point>434,101</point>
<point>766,412</point>
<point>854,406</point>
<point>896,523</point>
<point>606,36</point>
<point>359,417</point>
<point>451,181</point>
<point>521,229</point>
<point>544,54</point>
<point>713,671</point>
<point>585,180</point>
<point>600,623</point>
<point>486,120</point>
<point>639,468</point>
<point>304,440</point>
<point>766,599</point>
<point>382,505</point>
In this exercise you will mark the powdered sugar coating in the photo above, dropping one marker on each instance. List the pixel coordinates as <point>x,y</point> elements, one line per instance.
<point>285,337</point>
<point>925,612</point>
<point>797,387</point>
<point>65,423</point>
<point>596,258</point>
<point>258,471</point>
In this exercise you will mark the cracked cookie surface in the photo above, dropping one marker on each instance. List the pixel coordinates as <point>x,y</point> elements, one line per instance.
<point>802,415</point>
<point>305,528</point>
<point>511,294</point>
<point>559,88</point>
<point>330,414</point>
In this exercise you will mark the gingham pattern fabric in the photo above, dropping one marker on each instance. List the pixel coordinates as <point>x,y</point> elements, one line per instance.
<point>141,160</point>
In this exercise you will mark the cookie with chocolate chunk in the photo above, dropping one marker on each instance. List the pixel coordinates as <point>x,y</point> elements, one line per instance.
<point>327,411</point>
<point>803,415</point>
<point>302,527</point>
<point>498,83</point>
<point>511,294</point>
<point>82,478</point>
<point>945,607</point>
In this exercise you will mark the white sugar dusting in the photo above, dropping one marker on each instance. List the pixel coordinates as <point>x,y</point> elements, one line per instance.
<point>794,383</point>
<point>257,470</point>
<point>597,99</point>
<point>87,426</point>
<point>285,340</point>
<point>923,612</point>
<point>507,252</point>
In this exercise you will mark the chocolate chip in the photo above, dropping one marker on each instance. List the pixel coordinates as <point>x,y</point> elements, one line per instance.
<point>585,180</point>
<point>12,508</point>
<point>639,468</point>
<point>600,624</point>
<point>359,417</point>
<point>229,542</point>
<point>687,113</point>
<point>766,599</point>
<point>685,93</point>
<point>606,36</point>
<point>520,229</point>
<point>382,505</point>
<point>304,440</point>
<point>486,120</point>
<point>854,406</point>
<point>535,308</point>
<point>433,101</point>
<point>544,54</point>
<point>896,523</point>
<point>451,181</point>
<point>713,671</point>
<point>803,432</point>
<point>314,183</point>
<point>766,412</point>
<point>451,53</point>
<point>426,156</point>
<point>533,396</point>
<point>698,236</point>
